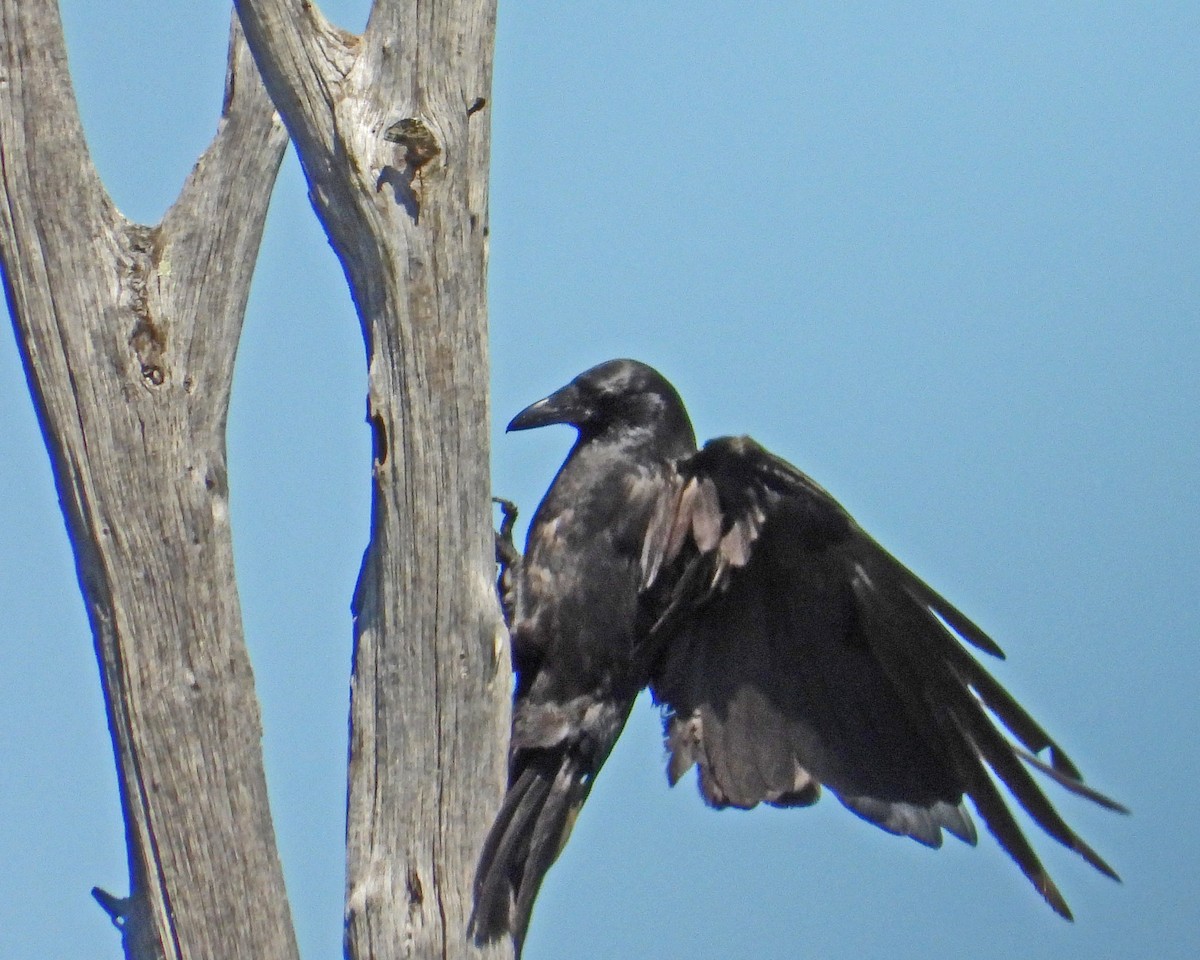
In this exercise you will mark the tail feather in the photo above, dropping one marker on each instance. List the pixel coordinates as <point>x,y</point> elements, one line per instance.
<point>526,838</point>
<point>504,853</point>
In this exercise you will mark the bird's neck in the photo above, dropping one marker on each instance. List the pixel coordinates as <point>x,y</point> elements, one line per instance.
<point>659,442</point>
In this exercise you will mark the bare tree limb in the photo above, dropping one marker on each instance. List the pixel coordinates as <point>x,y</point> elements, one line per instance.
<point>393,134</point>
<point>128,335</point>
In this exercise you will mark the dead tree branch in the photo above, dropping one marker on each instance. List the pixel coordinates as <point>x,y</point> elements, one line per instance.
<point>128,335</point>
<point>392,129</point>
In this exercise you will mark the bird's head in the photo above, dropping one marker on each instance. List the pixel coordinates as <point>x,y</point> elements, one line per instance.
<point>625,395</point>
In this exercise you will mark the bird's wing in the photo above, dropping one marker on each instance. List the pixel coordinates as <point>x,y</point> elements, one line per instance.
<point>796,651</point>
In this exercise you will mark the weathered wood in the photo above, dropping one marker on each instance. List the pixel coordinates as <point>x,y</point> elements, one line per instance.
<point>128,335</point>
<point>393,133</point>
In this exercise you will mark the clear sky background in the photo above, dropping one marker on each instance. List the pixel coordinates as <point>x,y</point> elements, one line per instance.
<point>945,257</point>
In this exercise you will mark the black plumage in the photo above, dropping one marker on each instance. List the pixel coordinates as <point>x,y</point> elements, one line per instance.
<point>788,649</point>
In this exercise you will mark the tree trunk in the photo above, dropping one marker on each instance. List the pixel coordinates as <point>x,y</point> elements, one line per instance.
<point>393,133</point>
<point>128,335</point>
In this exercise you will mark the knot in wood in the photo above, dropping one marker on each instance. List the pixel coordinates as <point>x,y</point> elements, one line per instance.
<point>149,342</point>
<point>412,887</point>
<point>418,140</point>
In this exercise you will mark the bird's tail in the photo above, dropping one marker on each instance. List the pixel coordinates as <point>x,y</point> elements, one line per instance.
<point>527,836</point>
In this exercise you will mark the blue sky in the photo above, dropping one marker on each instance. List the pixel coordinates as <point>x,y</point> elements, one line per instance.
<point>944,257</point>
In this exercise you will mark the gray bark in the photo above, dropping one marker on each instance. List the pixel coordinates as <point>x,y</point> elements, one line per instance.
<point>128,334</point>
<point>407,216</point>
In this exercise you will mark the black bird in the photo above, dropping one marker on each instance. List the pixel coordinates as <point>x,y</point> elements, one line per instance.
<point>787,648</point>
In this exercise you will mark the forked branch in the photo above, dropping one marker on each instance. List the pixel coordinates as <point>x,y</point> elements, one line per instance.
<point>128,335</point>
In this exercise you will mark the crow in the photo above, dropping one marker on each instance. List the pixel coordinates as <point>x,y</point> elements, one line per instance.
<point>787,649</point>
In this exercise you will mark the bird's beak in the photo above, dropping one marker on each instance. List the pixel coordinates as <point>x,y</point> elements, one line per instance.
<point>562,406</point>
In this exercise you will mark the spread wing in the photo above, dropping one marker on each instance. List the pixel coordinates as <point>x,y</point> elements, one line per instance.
<point>796,652</point>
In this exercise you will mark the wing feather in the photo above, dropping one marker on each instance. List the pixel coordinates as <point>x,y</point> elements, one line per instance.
<point>797,651</point>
